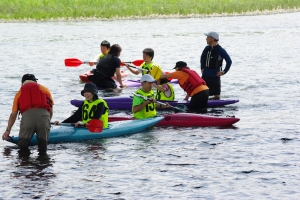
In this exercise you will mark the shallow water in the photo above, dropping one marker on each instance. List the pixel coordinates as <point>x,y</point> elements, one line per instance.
<point>258,157</point>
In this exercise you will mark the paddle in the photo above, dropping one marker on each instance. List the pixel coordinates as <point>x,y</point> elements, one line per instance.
<point>155,71</point>
<point>74,62</point>
<point>94,126</point>
<point>135,62</point>
<point>145,98</point>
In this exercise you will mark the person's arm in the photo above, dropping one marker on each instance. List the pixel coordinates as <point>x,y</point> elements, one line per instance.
<point>228,60</point>
<point>136,72</point>
<point>186,97</point>
<point>138,108</point>
<point>160,88</point>
<point>119,77</point>
<point>11,121</point>
<point>77,116</point>
<point>99,111</point>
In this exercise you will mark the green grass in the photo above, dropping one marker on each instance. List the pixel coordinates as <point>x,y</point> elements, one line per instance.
<point>68,9</point>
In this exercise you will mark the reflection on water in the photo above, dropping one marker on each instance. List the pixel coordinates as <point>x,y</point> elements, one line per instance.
<point>33,172</point>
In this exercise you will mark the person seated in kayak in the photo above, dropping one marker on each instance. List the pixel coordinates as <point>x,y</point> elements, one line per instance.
<point>91,108</point>
<point>192,84</point>
<point>144,106</point>
<point>148,64</point>
<point>104,48</point>
<point>106,68</point>
<point>165,90</point>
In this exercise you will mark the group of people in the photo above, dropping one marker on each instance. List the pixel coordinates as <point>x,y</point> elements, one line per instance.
<point>37,112</point>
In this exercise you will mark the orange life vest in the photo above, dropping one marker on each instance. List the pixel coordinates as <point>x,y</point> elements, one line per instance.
<point>192,82</point>
<point>33,97</point>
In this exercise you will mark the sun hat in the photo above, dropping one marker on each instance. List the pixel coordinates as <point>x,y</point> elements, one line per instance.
<point>89,87</point>
<point>28,77</point>
<point>212,34</point>
<point>148,78</point>
<point>180,64</point>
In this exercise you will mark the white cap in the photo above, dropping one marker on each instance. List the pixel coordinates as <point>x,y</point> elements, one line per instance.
<point>212,34</point>
<point>148,78</point>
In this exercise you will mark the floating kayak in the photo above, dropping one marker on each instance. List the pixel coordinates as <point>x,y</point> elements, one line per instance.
<point>83,77</point>
<point>125,103</point>
<point>60,134</point>
<point>187,120</point>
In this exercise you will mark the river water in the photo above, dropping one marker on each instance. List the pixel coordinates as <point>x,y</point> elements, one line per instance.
<point>257,158</point>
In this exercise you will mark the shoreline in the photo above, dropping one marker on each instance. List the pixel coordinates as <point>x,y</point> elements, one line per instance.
<point>157,16</point>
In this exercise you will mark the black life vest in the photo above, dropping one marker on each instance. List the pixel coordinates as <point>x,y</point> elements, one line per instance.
<point>104,68</point>
<point>211,58</point>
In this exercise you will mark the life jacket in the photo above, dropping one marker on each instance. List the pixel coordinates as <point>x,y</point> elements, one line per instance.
<point>211,60</point>
<point>89,108</point>
<point>148,67</point>
<point>104,68</point>
<point>161,95</point>
<point>149,110</point>
<point>33,97</point>
<point>192,82</point>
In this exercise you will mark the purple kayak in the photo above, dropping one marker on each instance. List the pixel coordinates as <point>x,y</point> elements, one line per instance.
<point>125,103</point>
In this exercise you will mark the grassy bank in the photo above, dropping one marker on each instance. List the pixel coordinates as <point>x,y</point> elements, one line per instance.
<point>112,9</point>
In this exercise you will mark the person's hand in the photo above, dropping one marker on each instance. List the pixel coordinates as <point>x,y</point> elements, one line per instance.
<point>123,86</point>
<point>91,64</point>
<point>220,73</point>
<point>78,123</point>
<point>56,122</point>
<point>5,135</point>
<point>167,105</point>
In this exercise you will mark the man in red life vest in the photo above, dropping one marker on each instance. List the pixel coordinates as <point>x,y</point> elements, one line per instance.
<point>192,84</point>
<point>35,103</point>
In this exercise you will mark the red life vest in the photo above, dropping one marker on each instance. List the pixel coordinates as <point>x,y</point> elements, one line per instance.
<point>192,82</point>
<point>33,97</point>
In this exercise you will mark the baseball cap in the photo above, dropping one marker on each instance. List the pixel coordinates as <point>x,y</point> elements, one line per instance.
<point>28,77</point>
<point>180,64</point>
<point>212,34</point>
<point>148,78</point>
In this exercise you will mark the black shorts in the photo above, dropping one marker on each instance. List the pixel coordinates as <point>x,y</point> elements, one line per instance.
<point>104,83</point>
<point>198,102</point>
<point>214,85</point>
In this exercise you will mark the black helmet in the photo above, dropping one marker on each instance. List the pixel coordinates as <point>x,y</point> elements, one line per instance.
<point>90,87</point>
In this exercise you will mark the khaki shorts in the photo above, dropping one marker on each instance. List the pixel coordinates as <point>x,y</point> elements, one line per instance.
<point>36,120</point>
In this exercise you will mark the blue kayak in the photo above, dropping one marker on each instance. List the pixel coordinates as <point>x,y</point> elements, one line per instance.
<point>69,133</point>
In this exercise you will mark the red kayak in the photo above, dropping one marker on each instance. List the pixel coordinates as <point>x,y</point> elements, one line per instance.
<point>186,120</point>
<point>83,77</point>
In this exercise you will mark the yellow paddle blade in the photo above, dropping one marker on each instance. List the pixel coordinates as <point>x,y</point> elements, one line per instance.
<point>156,72</point>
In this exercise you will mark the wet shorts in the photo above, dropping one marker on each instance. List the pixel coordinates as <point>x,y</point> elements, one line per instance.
<point>214,85</point>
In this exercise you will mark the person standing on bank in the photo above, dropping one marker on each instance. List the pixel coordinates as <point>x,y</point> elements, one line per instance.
<point>35,103</point>
<point>106,68</point>
<point>211,64</point>
<point>193,85</point>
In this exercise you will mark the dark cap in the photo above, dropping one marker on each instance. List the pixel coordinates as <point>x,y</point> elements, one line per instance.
<point>28,77</point>
<point>89,87</point>
<point>180,64</point>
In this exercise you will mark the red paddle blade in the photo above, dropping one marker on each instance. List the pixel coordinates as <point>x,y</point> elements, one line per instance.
<point>135,62</point>
<point>72,62</point>
<point>168,78</point>
<point>95,126</point>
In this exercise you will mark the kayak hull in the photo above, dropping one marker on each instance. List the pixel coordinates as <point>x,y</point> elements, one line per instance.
<point>187,120</point>
<point>125,103</point>
<point>61,134</point>
<point>83,77</point>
